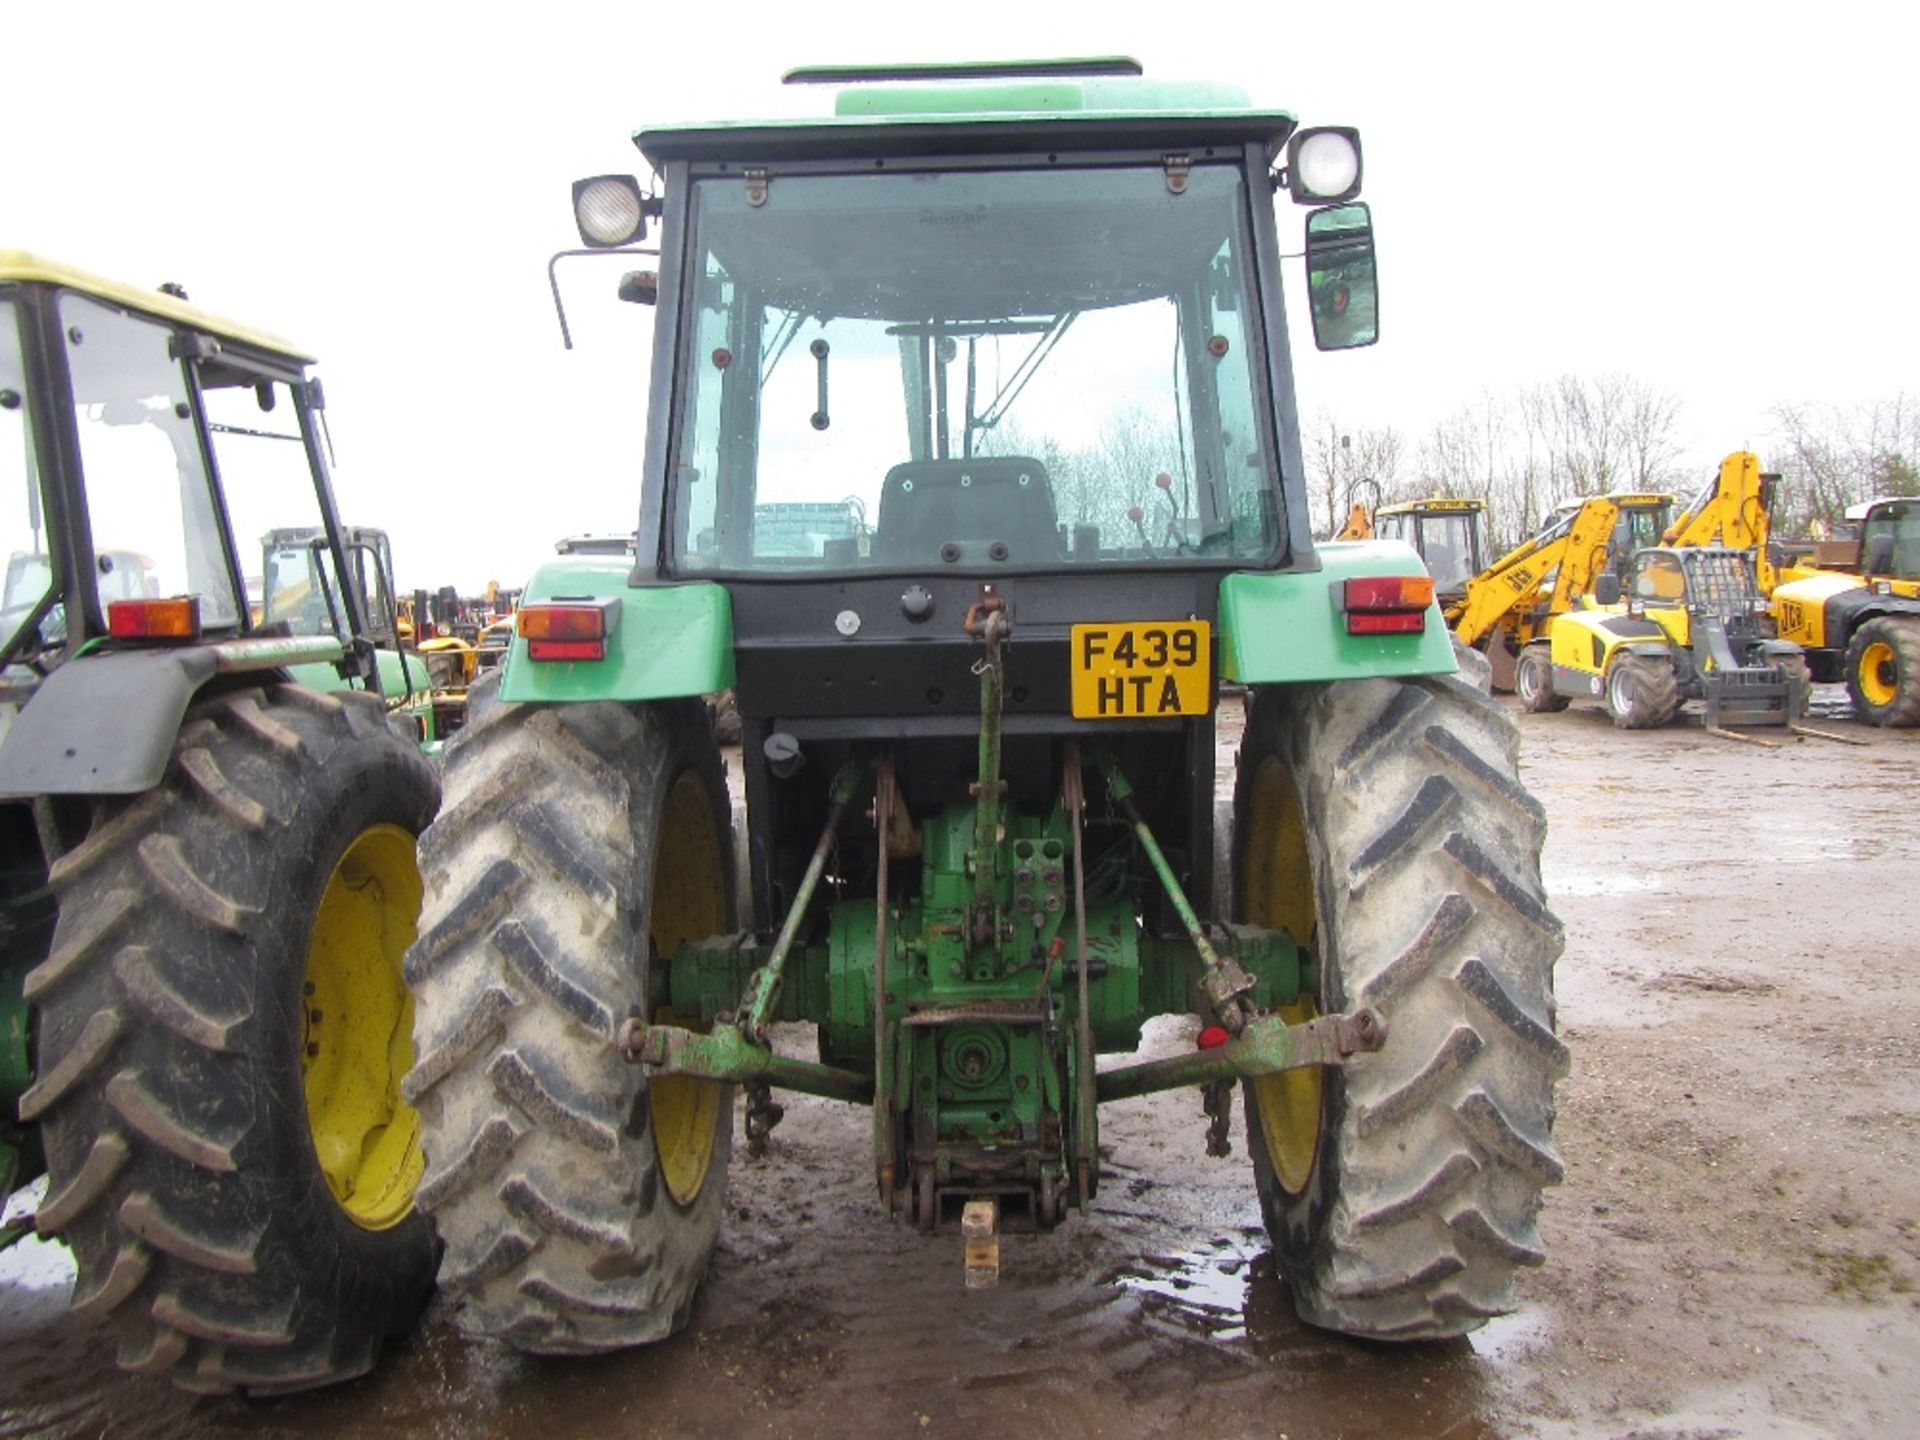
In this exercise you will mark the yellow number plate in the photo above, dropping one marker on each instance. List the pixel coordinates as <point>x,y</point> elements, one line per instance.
<point>1134,671</point>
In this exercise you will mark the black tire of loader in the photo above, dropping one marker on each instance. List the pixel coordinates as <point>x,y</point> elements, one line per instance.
<point>1643,693</point>
<point>1433,1152</point>
<point>1901,635</point>
<point>1533,682</point>
<point>561,1235</point>
<point>180,1157</point>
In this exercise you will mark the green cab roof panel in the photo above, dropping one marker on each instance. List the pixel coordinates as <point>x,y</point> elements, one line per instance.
<point>1109,95</point>
<point>1047,112</point>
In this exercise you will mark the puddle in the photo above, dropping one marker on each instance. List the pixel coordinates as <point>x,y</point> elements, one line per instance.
<point>1586,884</point>
<point>35,1275</point>
<point>1206,1289</point>
<point>1510,1338</point>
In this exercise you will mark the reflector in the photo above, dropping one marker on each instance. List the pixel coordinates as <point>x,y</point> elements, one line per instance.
<point>177,618</point>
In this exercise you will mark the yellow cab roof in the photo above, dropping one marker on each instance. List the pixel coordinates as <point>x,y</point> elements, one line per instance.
<point>19,266</point>
<point>1431,506</point>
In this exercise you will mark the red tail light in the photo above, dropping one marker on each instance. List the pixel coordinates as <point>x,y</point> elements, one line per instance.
<point>174,619</point>
<point>569,630</point>
<point>1388,604</point>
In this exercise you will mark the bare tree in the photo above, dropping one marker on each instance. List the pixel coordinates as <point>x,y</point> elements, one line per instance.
<point>1831,457</point>
<point>1605,432</point>
<point>1349,465</point>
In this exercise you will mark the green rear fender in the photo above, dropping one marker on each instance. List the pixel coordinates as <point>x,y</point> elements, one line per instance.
<point>1291,627</point>
<point>669,640</point>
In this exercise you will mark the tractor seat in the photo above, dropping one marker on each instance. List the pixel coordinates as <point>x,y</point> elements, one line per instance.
<point>973,504</point>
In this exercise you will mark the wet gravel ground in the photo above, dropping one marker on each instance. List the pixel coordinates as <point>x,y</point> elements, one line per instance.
<point>1734,1252</point>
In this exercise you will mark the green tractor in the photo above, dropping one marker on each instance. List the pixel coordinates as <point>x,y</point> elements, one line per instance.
<point>297,594</point>
<point>209,870</point>
<point>1028,325</point>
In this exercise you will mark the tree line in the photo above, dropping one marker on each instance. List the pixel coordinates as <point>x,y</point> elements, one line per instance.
<point>1524,452</point>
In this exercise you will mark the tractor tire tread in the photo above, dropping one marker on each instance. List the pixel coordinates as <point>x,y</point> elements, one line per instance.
<point>1435,1149</point>
<point>543,1179</point>
<point>174,1145</point>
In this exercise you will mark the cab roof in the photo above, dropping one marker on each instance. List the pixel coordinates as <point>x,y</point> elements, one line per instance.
<point>973,107</point>
<point>1432,506</point>
<point>22,267</point>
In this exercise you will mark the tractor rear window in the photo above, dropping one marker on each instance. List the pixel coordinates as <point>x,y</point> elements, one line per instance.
<point>155,529</point>
<point>981,369</point>
<point>23,526</point>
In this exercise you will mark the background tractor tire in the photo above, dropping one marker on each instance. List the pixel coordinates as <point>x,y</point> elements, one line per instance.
<point>1383,820</point>
<point>222,1037</point>
<point>1643,693</point>
<point>579,1205</point>
<point>1533,682</point>
<point>1883,671</point>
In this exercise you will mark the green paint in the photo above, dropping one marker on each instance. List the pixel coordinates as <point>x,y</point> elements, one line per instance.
<point>727,1054</point>
<point>763,989</point>
<point>1107,97</point>
<point>1285,628</point>
<point>670,640</point>
<point>16,1074</point>
<point>395,669</point>
<point>1267,1046</point>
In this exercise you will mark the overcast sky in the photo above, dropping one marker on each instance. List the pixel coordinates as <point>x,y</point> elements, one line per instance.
<point>1718,199</point>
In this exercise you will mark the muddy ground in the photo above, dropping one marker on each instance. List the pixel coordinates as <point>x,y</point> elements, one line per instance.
<point>1734,1252</point>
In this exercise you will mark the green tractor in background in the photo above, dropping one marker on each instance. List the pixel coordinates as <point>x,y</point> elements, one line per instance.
<point>298,594</point>
<point>1023,329</point>
<point>209,870</point>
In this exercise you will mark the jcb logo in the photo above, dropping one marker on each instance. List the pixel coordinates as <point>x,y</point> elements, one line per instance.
<point>1792,615</point>
<point>1521,579</point>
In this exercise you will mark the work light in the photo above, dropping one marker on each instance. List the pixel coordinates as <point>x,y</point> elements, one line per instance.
<point>609,211</point>
<point>1323,165</point>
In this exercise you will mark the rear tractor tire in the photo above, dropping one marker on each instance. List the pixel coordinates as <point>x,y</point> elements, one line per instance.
<point>579,1203</point>
<point>223,1032</point>
<point>1642,692</point>
<point>1533,682</point>
<point>1883,671</point>
<point>1382,822</point>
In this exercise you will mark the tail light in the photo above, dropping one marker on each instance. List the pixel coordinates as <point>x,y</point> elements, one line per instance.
<point>1387,604</point>
<point>174,619</point>
<point>567,630</point>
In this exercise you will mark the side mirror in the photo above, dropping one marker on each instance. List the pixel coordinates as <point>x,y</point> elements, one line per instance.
<point>1606,588</point>
<point>640,287</point>
<point>1342,284</point>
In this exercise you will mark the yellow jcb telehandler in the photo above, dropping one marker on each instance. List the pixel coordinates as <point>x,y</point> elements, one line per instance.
<point>1508,605</point>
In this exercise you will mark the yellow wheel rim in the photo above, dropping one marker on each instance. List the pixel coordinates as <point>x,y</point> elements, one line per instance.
<point>689,903</point>
<point>358,1029</point>
<point>1279,895</point>
<point>1879,674</point>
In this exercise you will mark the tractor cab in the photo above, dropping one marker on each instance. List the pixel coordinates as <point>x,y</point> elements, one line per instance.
<point>145,445</point>
<point>1448,533</point>
<point>1890,540</point>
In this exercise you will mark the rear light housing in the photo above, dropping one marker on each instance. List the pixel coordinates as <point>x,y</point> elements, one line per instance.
<point>1387,604</point>
<point>567,629</point>
<point>177,618</point>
